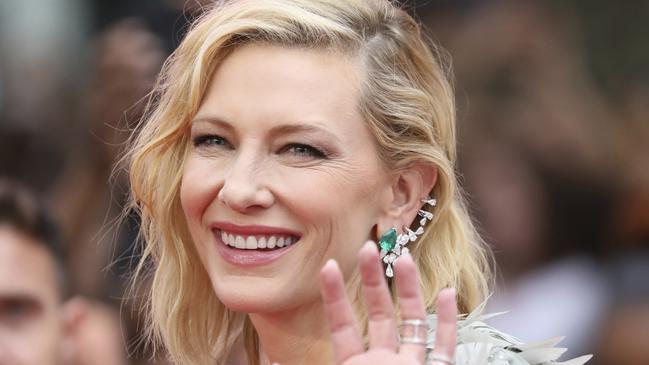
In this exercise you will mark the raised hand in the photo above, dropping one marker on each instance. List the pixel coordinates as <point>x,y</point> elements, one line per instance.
<point>386,344</point>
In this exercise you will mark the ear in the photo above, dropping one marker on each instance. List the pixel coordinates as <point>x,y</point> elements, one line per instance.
<point>74,312</point>
<point>409,187</point>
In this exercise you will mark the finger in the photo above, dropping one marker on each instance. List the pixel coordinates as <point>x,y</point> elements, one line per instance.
<point>345,337</point>
<point>380,310</point>
<point>446,333</point>
<point>411,303</point>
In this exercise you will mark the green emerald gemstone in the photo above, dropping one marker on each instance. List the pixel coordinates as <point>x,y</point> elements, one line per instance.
<point>388,240</point>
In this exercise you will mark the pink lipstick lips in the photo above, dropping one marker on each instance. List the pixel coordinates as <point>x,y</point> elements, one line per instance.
<point>252,245</point>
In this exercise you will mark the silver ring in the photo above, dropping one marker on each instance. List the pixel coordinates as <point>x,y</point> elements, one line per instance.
<point>414,322</point>
<point>436,359</point>
<point>410,332</point>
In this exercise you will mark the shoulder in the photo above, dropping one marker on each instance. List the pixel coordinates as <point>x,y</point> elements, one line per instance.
<point>479,343</point>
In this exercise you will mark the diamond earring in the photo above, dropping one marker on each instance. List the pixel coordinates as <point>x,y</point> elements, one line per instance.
<point>393,245</point>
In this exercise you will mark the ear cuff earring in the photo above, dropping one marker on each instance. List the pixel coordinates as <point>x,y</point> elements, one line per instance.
<point>393,245</point>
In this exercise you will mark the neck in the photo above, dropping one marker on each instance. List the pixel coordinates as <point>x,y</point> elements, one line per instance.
<point>297,336</point>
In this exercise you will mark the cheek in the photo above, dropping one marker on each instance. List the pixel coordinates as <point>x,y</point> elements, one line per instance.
<point>38,341</point>
<point>337,206</point>
<point>198,189</point>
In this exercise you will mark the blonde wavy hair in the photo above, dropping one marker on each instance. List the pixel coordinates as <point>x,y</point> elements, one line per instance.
<point>407,102</point>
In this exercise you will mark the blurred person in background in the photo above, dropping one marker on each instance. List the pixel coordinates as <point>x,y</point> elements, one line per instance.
<point>125,61</point>
<point>39,323</point>
<point>555,156</point>
<point>72,163</point>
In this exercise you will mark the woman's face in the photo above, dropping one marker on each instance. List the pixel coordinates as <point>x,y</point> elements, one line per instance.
<point>282,175</point>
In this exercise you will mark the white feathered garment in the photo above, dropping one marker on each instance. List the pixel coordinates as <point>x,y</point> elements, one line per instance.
<point>481,344</point>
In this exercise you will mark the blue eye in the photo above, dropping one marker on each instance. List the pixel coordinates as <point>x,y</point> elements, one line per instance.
<point>210,140</point>
<point>304,150</point>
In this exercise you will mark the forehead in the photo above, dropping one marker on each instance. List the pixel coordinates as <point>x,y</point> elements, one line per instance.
<point>26,267</point>
<point>275,83</point>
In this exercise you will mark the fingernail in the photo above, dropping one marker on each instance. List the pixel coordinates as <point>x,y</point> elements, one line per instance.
<point>332,263</point>
<point>369,244</point>
<point>451,291</point>
<point>407,256</point>
<point>367,248</point>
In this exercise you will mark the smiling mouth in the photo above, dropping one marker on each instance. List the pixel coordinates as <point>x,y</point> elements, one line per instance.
<point>257,242</point>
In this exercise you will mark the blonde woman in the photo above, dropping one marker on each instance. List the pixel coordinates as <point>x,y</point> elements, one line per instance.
<point>282,136</point>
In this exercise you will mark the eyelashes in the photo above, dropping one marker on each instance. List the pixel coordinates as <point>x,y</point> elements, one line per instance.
<point>300,150</point>
<point>304,150</point>
<point>210,140</point>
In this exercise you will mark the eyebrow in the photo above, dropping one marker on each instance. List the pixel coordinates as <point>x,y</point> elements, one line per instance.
<point>214,120</point>
<point>278,130</point>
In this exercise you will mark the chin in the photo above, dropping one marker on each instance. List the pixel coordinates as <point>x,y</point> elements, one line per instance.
<point>262,295</point>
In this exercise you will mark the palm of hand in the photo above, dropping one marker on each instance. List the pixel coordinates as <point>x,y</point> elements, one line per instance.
<point>383,333</point>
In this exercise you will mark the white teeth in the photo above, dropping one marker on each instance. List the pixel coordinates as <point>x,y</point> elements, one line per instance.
<point>240,242</point>
<point>256,242</point>
<point>251,243</point>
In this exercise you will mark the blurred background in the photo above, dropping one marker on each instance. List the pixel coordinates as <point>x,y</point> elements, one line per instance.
<point>553,115</point>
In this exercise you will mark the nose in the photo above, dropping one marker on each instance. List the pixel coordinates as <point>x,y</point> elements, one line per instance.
<point>245,186</point>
